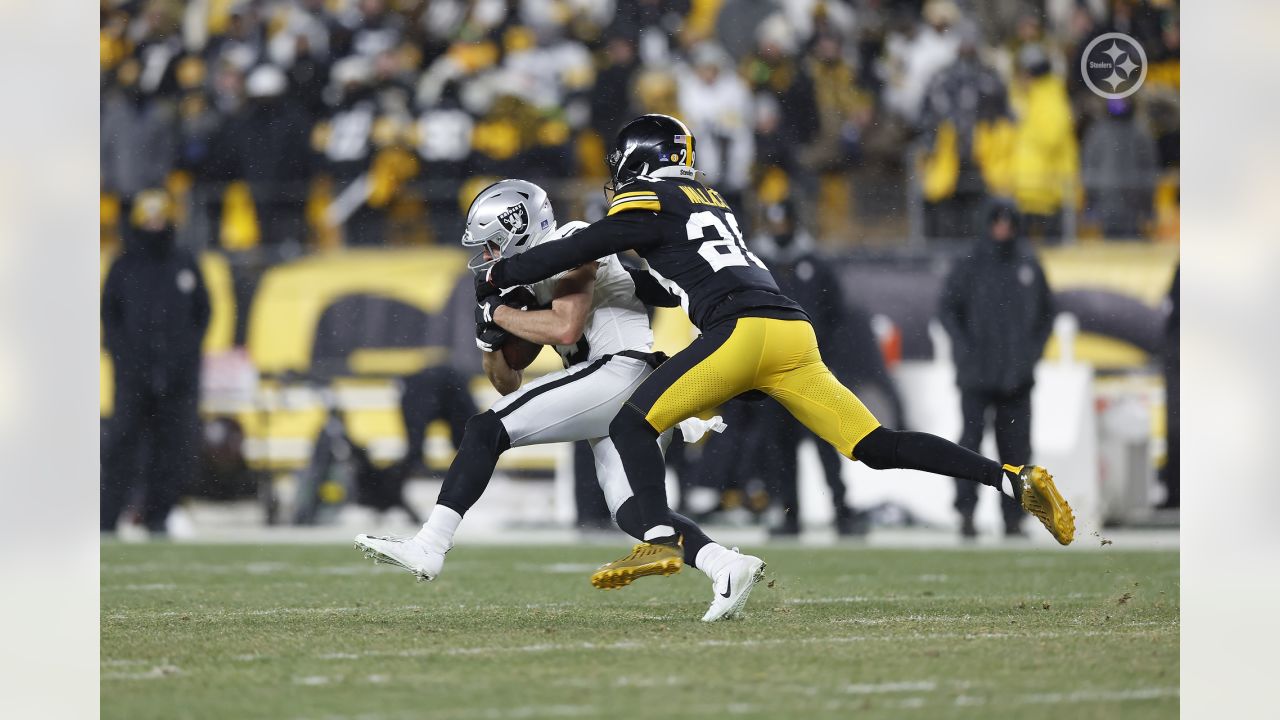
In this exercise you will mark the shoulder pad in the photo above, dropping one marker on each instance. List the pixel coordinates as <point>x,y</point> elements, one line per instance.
<point>638,195</point>
<point>568,229</point>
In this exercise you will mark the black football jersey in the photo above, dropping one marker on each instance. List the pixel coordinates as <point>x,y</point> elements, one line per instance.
<point>691,240</point>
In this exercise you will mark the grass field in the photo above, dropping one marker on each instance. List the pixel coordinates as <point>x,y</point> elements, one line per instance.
<point>192,631</point>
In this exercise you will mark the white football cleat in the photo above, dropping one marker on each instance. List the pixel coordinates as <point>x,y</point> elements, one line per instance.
<point>733,586</point>
<point>407,553</point>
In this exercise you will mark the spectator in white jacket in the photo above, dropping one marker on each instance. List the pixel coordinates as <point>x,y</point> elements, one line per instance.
<point>717,107</point>
<point>914,59</point>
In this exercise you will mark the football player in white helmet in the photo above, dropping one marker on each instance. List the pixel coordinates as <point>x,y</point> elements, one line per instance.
<point>595,319</point>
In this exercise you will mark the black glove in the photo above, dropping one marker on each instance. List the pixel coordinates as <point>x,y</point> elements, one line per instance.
<point>484,288</point>
<point>489,337</point>
<point>520,298</point>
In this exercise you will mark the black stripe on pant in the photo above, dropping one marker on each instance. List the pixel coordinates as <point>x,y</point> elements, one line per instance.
<point>484,439</point>
<point>542,389</point>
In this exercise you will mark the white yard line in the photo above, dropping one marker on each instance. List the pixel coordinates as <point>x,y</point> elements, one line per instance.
<point>270,612</point>
<point>155,673</point>
<point>851,705</point>
<point>851,599</point>
<point>559,568</point>
<point>251,568</point>
<point>890,687</point>
<point>526,712</point>
<point>1079,696</point>
<point>709,643</point>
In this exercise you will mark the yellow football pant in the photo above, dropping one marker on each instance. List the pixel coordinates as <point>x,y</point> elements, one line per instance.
<point>777,357</point>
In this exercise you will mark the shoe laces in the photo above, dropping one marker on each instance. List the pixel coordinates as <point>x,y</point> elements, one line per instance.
<point>644,550</point>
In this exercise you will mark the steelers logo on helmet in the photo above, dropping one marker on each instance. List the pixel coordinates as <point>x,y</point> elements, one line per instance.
<point>515,219</point>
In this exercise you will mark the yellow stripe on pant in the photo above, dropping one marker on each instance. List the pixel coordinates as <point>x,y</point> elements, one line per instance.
<point>778,357</point>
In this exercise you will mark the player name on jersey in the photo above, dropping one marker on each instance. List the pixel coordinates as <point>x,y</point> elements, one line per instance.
<point>704,196</point>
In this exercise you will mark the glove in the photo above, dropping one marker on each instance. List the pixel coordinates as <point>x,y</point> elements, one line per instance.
<point>485,309</point>
<point>520,298</point>
<point>489,337</point>
<point>485,287</point>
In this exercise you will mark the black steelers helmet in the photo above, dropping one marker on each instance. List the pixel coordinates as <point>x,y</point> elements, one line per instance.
<point>646,144</point>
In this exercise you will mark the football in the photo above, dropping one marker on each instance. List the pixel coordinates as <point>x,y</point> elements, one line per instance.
<point>519,353</point>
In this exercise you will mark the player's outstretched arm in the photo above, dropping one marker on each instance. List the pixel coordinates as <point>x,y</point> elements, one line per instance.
<point>616,233</point>
<point>649,291</point>
<point>504,379</point>
<point>563,322</point>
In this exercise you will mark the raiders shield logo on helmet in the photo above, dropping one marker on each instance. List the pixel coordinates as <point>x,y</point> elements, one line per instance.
<point>515,219</point>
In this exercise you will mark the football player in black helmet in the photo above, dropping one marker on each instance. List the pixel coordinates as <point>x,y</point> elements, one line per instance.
<point>753,338</point>
<point>646,144</point>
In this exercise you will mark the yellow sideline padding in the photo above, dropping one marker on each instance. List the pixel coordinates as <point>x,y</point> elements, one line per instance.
<point>394,361</point>
<point>1141,271</point>
<point>1100,351</point>
<point>222,303</point>
<point>291,297</point>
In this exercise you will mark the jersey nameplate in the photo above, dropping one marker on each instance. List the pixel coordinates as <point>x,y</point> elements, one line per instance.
<point>704,196</point>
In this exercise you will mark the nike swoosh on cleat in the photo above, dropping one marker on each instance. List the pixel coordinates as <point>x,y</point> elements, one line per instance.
<point>728,588</point>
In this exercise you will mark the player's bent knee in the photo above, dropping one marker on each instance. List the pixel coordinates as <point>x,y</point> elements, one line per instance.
<point>627,516</point>
<point>628,422</point>
<point>487,431</point>
<point>879,449</point>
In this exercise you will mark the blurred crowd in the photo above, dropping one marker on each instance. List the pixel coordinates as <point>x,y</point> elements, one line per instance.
<point>314,123</point>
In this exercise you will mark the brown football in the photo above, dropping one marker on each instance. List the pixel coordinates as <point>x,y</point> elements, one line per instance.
<point>519,353</point>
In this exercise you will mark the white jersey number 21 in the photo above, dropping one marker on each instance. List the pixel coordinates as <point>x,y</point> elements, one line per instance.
<point>726,250</point>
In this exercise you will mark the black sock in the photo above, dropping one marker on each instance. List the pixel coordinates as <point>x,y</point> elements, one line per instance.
<point>628,518</point>
<point>637,445</point>
<point>694,538</point>
<point>482,442</point>
<point>885,449</point>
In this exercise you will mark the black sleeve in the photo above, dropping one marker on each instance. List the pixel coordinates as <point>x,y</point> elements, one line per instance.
<point>632,230</point>
<point>1048,309</point>
<point>831,305</point>
<point>202,310</point>
<point>951,305</point>
<point>113,311</point>
<point>650,291</point>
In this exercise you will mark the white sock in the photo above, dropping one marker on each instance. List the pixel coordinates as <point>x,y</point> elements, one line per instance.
<point>658,531</point>
<point>714,557</point>
<point>437,532</point>
<point>1006,485</point>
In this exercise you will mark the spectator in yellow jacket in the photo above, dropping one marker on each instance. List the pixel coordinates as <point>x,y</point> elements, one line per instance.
<point>1045,158</point>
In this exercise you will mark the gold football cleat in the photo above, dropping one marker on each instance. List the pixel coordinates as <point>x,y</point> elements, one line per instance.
<point>1041,498</point>
<point>645,559</point>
